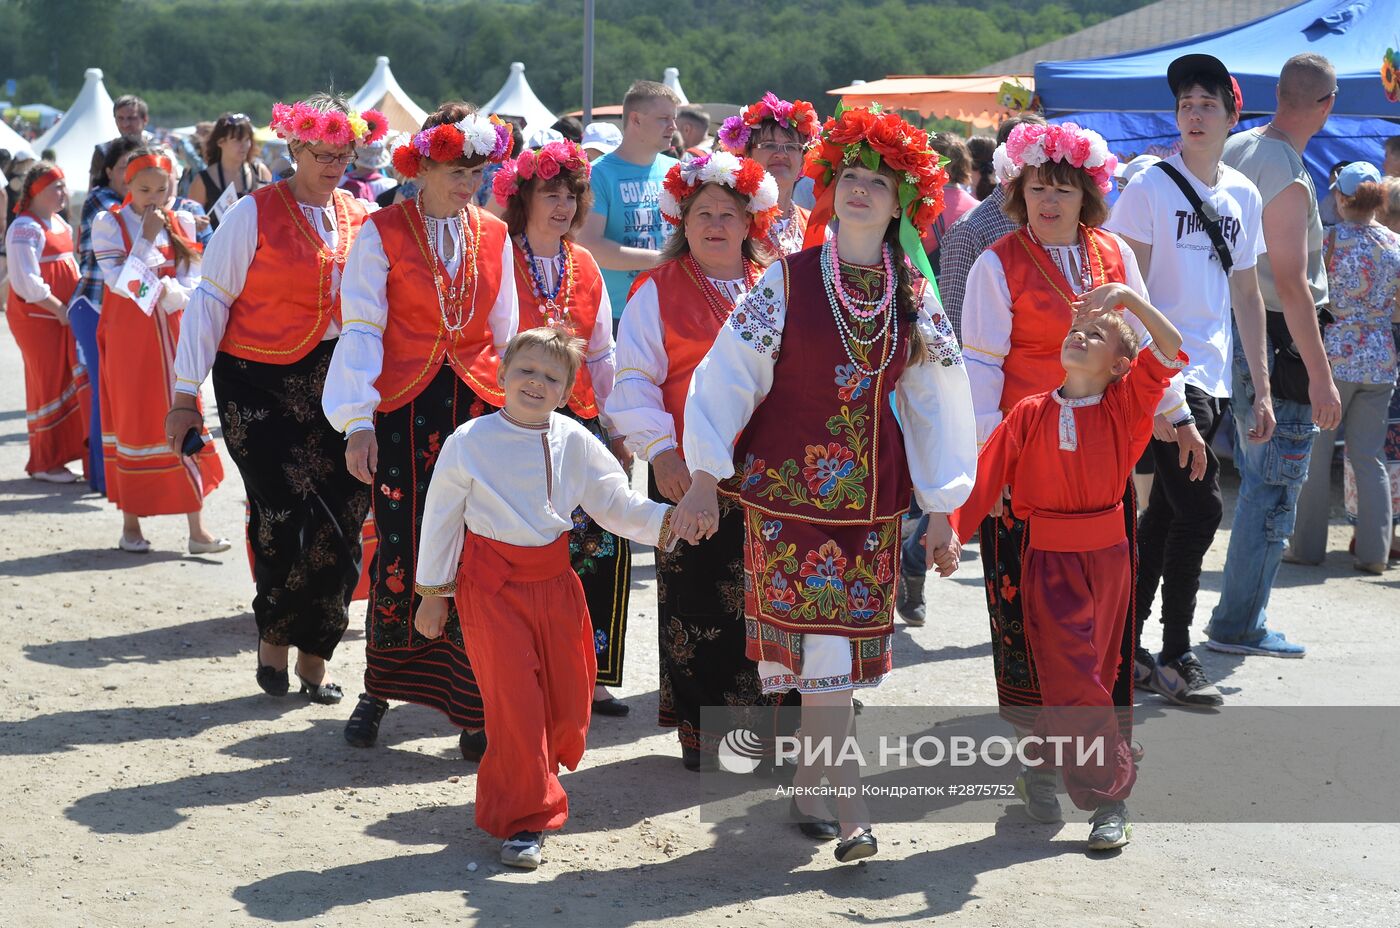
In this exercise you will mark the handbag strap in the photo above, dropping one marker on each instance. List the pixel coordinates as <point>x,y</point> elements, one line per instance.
<point>1209,223</point>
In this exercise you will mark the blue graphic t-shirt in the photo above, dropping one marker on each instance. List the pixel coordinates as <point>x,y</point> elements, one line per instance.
<point>626,195</point>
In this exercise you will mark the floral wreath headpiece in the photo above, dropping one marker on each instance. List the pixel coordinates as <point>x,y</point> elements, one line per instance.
<point>302,122</point>
<point>870,137</point>
<point>1033,145</point>
<point>475,136</point>
<point>743,175</point>
<point>546,163</point>
<point>798,116</point>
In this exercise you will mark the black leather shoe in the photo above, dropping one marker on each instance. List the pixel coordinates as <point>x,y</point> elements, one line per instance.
<point>816,828</point>
<point>611,706</point>
<point>274,682</point>
<point>362,730</point>
<point>327,694</point>
<point>861,846</point>
<point>697,760</point>
<point>472,744</point>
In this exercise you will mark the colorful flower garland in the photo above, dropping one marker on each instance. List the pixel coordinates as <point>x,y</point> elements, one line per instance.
<point>545,163</point>
<point>799,116</point>
<point>1033,145</point>
<point>743,175</point>
<point>870,137</point>
<point>474,137</point>
<point>303,122</point>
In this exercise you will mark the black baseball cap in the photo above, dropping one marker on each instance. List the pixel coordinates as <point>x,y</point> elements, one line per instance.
<point>1193,65</point>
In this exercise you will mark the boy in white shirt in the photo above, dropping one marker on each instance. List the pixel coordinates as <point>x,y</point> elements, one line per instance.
<point>501,499</point>
<point>1190,284</point>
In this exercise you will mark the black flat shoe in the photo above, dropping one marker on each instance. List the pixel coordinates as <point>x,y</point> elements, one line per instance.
<point>611,706</point>
<point>362,730</point>
<point>327,694</point>
<point>818,829</point>
<point>472,744</point>
<point>697,761</point>
<point>861,846</point>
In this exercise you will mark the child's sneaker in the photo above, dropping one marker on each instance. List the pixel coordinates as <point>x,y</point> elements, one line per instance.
<point>1037,791</point>
<point>524,849</point>
<point>1144,665</point>
<point>1109,828</point>
<point>1184,682</point>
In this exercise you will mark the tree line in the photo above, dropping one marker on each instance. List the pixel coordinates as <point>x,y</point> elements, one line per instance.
<point>192,59</point>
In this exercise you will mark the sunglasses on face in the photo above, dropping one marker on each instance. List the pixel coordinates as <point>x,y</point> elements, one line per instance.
<point>1329,96</point>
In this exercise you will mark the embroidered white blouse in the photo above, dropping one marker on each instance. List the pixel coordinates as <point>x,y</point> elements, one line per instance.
<point>24,250</point>
<point>520,485</point>
<point>111,253</point>
<point>350,399</point>
<point>931,399</point>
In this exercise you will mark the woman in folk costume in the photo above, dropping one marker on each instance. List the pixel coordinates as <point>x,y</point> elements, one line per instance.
<point>545,196</point>
<point>265,319</point>
<point>792,407</point>
<point>428,298</point>
<point>146,476</point>
<point>721,205</point>
<point>43,274</point>
<point>1016,314</point>
<point>775,133</point>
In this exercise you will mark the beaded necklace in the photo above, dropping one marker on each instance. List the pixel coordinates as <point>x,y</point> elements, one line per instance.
<point>555,305</point>
<point>451,302</point>
<point>888,328</point>
<point>1086,273</point>
<point>789,238</point>
<point>720,304</point>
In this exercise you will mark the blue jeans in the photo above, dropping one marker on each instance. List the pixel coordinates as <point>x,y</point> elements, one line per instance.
<point>84,319</point>
<point>1271,476</point>
<point>912,560</point>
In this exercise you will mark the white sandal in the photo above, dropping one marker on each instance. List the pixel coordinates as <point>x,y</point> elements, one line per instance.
<point>140,546</point>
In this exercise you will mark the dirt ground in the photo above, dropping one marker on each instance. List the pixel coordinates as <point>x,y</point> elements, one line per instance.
<point>151,783</point>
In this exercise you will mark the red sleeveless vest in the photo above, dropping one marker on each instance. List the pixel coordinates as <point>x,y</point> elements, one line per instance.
<point>287,301</point>
<point>1040,310</point>
<point>586,293</point>
<point>416,340</point>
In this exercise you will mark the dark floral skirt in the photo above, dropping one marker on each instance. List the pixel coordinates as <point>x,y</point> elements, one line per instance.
<point>305,510</point>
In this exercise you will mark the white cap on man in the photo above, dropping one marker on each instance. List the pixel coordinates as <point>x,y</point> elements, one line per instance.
<point>602,137</point>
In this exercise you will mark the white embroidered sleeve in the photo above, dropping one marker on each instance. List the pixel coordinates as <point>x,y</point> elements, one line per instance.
<point>223,271</point>
<point>601,358</point>
<point>350,398</point>
<point>444,524</point>
<point>635,405</point>
<point>986,338</point>
<point>24,245</point>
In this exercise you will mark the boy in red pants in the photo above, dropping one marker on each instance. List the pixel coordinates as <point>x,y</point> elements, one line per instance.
<point>501,498</point>
<point>1068,453</point>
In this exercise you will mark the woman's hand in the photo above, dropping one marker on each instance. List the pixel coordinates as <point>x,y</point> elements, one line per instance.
<point>941,549</point>
<point>183,416</point>
<point>431,616</point>
<point>152,223</point>
<point>362,455</point>
<point>697,516</point>
<point>618,447</point>
<point>672,476</point>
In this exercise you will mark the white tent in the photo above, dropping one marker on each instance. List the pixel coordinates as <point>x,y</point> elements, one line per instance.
<point>672,78</point>
<point>12,141</point>
<point>88,122</point>
<point>382,92</point>
<point>515,98</point>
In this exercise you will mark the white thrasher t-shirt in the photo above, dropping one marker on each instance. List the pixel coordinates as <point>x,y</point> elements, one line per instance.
<point>1184,278</point>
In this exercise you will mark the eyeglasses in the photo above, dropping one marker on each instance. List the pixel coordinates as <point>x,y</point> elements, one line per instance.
<point>1329,96</point>
<point>774,148</point>
<point>333,159</point>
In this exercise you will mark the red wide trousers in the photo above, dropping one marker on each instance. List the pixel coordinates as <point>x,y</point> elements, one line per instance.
<point>529,638</point>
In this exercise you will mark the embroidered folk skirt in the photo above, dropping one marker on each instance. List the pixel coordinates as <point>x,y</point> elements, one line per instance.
<point>1003,544</point>
<point>700,608</point>
<point>828,577</point>
<point>603,562</point>
<point>305,509</point>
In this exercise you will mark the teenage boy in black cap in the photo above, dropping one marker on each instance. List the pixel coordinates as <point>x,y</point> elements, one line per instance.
<point>1183,261</point>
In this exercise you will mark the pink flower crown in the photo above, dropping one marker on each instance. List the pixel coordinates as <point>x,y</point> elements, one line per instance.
<point>302,122</point>
<point>475,136</point>
<point>799,116</point>
<point>547,163</point>
<point>743,175</point>
<point>1032,145</point>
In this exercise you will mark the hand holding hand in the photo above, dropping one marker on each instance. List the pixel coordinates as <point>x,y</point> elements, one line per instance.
<point>697,516</point>
<point>942,551</point>
<point>672,476</point>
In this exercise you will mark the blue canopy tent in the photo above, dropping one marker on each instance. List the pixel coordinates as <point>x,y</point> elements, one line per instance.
<point>1125,97</point>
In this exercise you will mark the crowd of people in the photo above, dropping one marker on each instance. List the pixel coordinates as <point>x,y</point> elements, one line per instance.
<point>459,342</point>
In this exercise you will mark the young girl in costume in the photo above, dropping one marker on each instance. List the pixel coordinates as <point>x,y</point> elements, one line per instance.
<point>792,401</point>
<point>43,274</point>
<point>145,475</point>
<point>496,528</point>
<point>428,298</point>
<point>721,206</point>
<point>775,133</point>
<point>544,197</point>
